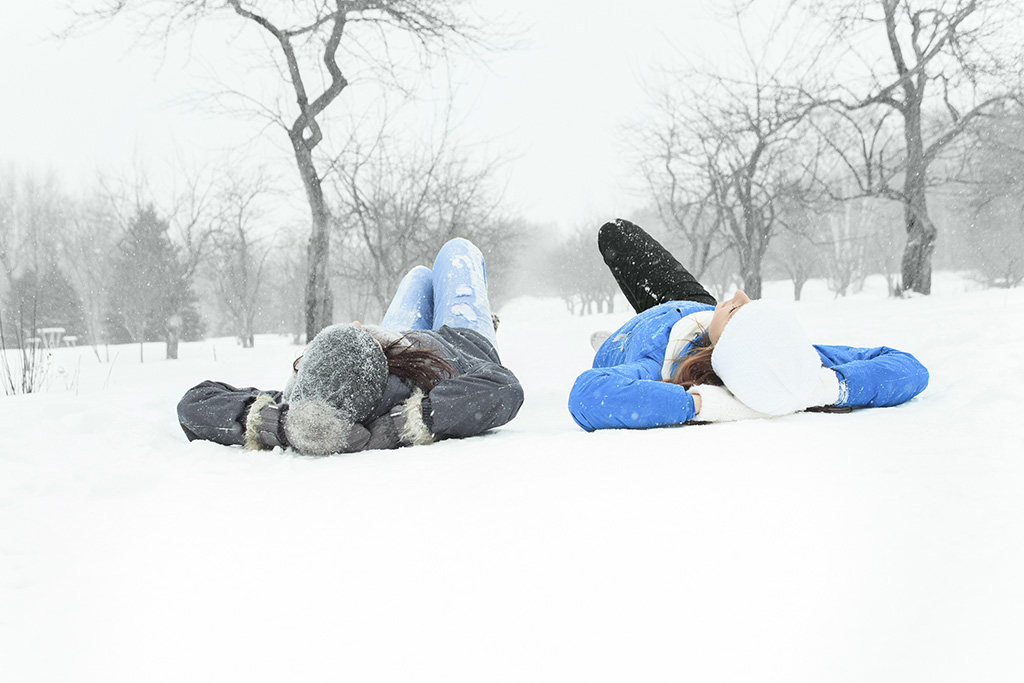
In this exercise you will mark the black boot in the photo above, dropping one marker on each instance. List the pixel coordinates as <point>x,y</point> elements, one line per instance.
<point>646,272</point>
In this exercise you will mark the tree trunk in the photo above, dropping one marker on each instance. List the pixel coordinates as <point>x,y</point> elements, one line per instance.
<point>248,334</point>
<point>750,272</point>
<point>752,238</point>
<point>172,334</point>
<point>751,254</point>
<point>921,233</point>
<point>172,344</point>
<point>318,303</point>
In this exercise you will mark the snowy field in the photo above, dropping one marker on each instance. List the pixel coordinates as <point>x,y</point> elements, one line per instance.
<point>883,545</point>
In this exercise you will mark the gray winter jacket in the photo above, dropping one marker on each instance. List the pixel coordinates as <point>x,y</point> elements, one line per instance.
<point>482,394</point>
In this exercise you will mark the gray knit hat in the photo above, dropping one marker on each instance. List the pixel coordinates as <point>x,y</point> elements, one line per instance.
<point>340,381</point>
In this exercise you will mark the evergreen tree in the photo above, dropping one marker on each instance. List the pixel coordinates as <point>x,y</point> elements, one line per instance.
<point>35,302</point>
<point>150,296</point>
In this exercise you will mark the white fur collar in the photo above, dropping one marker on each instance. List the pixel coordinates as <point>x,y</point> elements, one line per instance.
<point>683,332</point>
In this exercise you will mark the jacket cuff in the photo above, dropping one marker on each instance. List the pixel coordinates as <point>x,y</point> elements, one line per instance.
<point>411,422</point>
<point>264,424</point>
<point>717,404</point>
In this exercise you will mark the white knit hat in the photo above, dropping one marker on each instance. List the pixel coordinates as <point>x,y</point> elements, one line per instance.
<point>765,359</point>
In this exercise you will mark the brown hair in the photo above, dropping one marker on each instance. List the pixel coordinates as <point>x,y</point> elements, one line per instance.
<point>423,366</point>
<point>695,367</point>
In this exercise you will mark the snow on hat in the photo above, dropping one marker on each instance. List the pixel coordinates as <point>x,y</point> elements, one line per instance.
<point>765,359</point>
<point>340,380</point>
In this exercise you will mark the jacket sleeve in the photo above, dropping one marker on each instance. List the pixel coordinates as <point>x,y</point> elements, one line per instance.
<point>215,411</point>
<point>625,397</point>
<point>877,376</point>
<point>485,396</point>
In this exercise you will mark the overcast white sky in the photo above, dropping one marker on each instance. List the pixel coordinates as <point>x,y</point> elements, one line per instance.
<point>554,107</point>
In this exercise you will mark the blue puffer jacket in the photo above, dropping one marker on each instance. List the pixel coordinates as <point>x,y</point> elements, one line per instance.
<point>623,390</point>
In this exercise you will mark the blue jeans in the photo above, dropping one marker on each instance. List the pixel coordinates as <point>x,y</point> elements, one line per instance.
<point>454,293</point>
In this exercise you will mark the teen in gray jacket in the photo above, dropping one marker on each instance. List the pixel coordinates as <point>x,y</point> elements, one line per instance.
<point>430,371</point>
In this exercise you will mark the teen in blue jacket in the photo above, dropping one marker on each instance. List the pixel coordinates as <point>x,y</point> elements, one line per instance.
<point>668,364</point>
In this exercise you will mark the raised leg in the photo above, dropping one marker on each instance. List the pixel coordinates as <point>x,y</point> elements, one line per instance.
<point>412,307</point>
<point>460,289</point>
<point>646,272</point>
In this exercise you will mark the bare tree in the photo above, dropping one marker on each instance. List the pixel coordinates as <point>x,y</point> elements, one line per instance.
<point>86,247</point>
<point>307,40</point>
<point>677,179</point>
<point>742,142</point>
<point>194,211</point>
<point>579,275</point>
<point>796,250</point>
<point>10,231</point>
<point>35,293</point>
<point>942,57</point>
<point>401,202</point>
<point>241,253</point>
<point>33,213</point>
<point>729,142</point>
<point>995,200</point>
<point>846,240</point>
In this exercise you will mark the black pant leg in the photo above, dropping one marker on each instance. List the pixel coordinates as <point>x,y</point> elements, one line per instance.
<point>646,272</point>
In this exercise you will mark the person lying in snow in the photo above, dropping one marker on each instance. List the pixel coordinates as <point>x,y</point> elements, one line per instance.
<point>684,357</point>
<point>430,371</point>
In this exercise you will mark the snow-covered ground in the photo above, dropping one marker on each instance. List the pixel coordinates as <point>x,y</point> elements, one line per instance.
<point>883,545</point>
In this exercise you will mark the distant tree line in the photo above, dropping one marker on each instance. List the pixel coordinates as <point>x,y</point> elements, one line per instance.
<point>826,158</point>
<point>839,235</point>
<point>219,257</point>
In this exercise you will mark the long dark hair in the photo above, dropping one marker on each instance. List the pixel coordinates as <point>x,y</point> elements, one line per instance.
<point>424,367</point>
<point>695,367</point>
